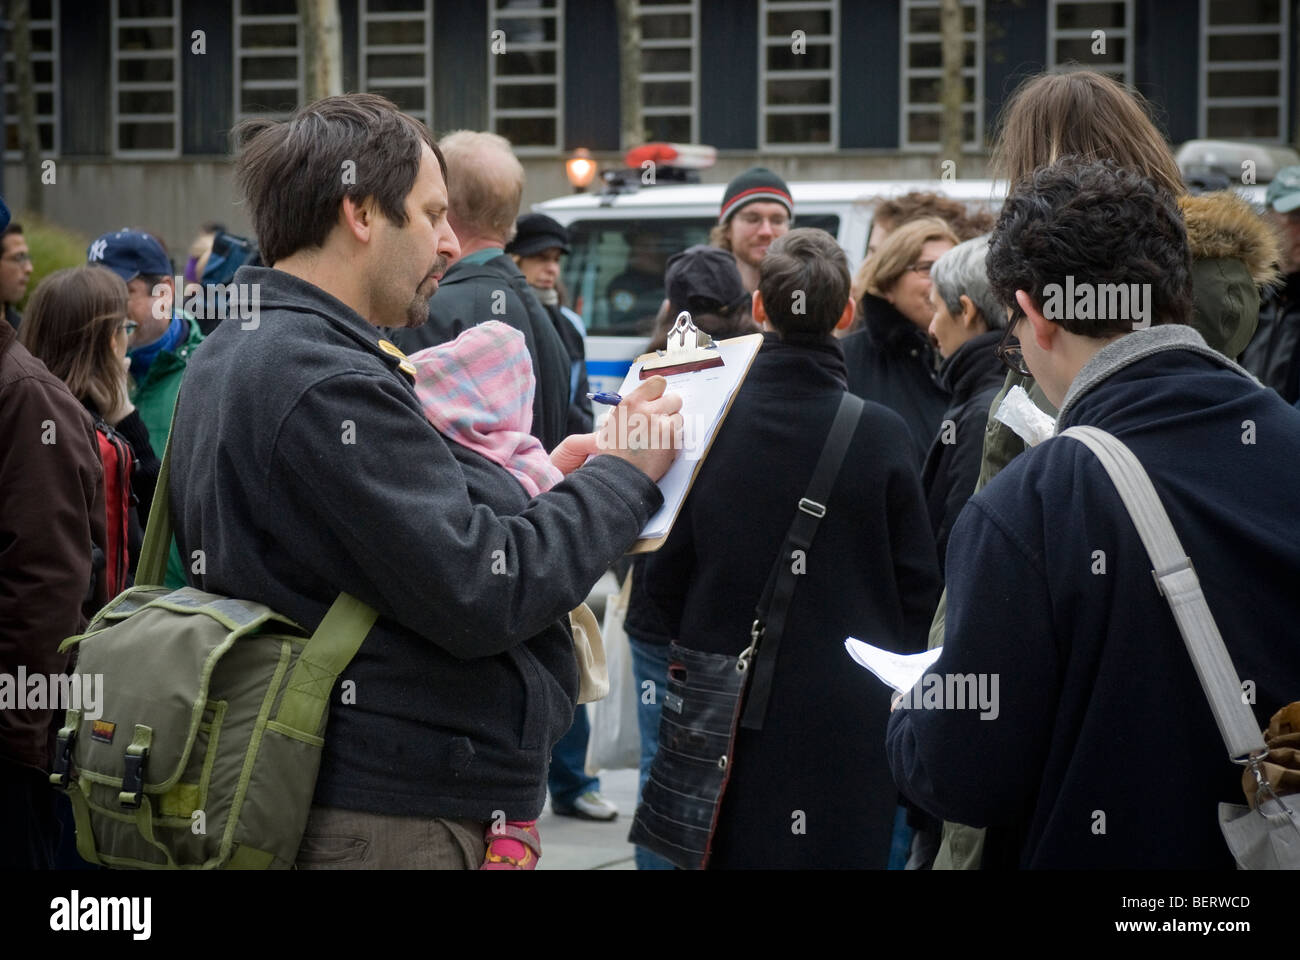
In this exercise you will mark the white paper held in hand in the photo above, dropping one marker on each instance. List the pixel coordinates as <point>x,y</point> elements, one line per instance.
<point>902,671</point>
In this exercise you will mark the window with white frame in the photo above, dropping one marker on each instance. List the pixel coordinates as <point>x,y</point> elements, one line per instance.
<point>1244,69</point>
<point>145,87</point>
<point>1091,35</point>
<point>798,79</point>
<point>268,58</point>
<point>670,69</point>
<point>396,43</point>
<point>45,79</point>
<point>525,73</point>
<point>922,70</point>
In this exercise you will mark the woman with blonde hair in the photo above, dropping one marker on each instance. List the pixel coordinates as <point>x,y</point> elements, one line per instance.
<point>76,323</point>
<point>891,360</point>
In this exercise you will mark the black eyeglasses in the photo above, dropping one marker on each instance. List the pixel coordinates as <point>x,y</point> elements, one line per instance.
<point>1008,349</point>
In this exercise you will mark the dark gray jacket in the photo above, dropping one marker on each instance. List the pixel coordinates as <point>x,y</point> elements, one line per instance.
<point>303,466</point>
<point>471,293</point>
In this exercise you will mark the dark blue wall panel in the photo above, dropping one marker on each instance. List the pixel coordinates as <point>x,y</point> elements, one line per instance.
<point>869,74</point>
<point>591,64</point>
<point>460,70</point>
<point>728,74</point>
<point>207,80</point>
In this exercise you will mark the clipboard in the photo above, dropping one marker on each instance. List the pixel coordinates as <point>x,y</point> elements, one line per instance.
<point>737,355</point>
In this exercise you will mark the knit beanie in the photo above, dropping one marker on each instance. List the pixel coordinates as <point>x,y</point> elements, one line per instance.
<point>756,183</point>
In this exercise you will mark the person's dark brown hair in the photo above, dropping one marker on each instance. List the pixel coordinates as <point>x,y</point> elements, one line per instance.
<point>14,227</point>
<point>804,282</point>
<point>71,319</point>
<point>295,173</point>
<point>1086,115</point>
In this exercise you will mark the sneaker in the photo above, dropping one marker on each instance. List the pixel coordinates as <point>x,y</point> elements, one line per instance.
<point>590,806</point>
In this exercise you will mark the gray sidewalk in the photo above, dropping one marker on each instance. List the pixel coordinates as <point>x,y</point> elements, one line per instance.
<point>572,844</point>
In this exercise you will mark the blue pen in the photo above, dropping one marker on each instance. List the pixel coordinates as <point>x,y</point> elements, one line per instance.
<point>612,399</point>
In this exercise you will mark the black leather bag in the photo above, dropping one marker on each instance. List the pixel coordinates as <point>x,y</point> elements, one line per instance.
<point>710,696</point>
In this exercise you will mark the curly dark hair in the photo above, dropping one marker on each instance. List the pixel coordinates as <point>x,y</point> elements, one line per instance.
<point>1077,222</point>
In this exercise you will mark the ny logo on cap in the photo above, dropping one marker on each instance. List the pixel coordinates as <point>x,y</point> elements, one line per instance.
<point>97,250</point>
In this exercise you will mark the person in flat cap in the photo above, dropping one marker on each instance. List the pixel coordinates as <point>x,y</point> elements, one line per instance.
<point>756,209</point>
<point>539,243</point>
<point>1273,354</point>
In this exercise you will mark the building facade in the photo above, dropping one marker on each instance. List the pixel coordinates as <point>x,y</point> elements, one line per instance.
<point>136,98</point>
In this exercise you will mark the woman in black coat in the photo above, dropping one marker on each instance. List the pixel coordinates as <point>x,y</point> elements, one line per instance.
<point>891,360</point>
<point>967,325</point>
<point>812,788</point>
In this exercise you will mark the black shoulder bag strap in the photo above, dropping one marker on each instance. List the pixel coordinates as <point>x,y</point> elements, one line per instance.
<point>769,618</point>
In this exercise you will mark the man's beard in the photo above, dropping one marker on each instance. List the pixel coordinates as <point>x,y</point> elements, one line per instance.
<point>417,311</point>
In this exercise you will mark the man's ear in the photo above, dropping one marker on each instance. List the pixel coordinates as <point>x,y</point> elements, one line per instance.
<point>760,314</point>
<point>358,217</point>
<point>1044,330</point>
<point>969,312</point>
<point>846,318</point>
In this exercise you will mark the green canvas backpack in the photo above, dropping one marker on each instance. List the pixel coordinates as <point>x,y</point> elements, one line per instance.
<point>211,721</point>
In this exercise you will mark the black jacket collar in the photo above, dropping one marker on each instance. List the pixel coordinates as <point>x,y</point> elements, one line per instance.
<point>971,363</point>
<point>892,332</point>
<point>802,359</point>
<point>279,290</point>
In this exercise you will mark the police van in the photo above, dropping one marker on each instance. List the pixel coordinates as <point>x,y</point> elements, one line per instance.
<point>622,237</point>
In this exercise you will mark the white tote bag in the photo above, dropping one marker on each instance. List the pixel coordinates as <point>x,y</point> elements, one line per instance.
<point>615,741</point>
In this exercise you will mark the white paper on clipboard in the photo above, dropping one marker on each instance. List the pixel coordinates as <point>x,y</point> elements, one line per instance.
<point>705,395</point>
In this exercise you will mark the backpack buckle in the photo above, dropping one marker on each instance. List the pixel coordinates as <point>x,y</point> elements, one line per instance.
<point>818,510</point>
<point>137,754</point>
<point>63,751</point>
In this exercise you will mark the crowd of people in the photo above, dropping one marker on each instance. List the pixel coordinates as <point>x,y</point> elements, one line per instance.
<point>475,499</point>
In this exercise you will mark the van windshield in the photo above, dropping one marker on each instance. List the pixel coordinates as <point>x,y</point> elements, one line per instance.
<point>614,275</point>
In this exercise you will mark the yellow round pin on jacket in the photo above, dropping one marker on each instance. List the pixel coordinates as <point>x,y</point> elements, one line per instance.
<point>393,350</point>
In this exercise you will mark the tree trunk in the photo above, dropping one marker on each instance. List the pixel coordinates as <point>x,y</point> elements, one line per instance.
<point>953,89</point>
<point>29,140</point>
<point>322,46</point>
<point>632,126</point>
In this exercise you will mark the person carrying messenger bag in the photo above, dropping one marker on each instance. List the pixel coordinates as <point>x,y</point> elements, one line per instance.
<point>710,696</point>
<point>203,749</point>
<point>1265,835</point>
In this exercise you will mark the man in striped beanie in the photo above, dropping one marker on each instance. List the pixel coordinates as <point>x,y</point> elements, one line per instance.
<point>756,209</point>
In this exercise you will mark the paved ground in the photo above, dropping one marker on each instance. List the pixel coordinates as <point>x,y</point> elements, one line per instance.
<point>572,844</point>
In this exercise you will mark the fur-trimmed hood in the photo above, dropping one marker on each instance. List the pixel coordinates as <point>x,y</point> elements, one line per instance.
<point>1225,225</point>
<point>1234,251</point>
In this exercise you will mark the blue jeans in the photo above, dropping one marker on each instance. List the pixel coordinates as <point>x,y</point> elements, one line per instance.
<point>649,662</point>
<point>568,778</point>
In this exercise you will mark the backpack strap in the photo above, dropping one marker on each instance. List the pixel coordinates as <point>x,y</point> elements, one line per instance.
<point>769,618</point>
<point>330,648</point>
<point>1177,581</point>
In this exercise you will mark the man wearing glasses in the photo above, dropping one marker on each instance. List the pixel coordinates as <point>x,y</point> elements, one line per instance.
<point>1273,354</point>
<point>162,337</point>
<point>1100,750</point>
<point>756,209</point>
<point>15,271</point>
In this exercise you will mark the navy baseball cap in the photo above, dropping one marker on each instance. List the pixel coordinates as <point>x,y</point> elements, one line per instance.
<point>4,214</point>
<point>130,254</point>
<point>703,279</point>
